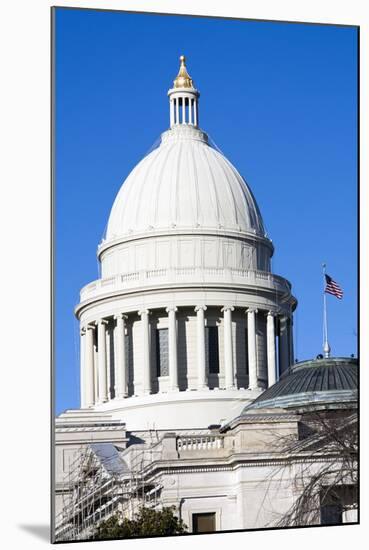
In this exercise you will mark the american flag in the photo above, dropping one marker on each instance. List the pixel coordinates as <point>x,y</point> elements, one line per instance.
<point>331,287</point>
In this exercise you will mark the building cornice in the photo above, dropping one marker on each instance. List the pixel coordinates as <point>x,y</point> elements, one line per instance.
<point>284,296</point>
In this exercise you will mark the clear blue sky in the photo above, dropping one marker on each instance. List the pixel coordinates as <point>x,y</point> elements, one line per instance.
<point>279,100</point>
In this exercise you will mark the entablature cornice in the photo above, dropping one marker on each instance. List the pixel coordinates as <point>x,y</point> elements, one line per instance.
<point>251,282</point>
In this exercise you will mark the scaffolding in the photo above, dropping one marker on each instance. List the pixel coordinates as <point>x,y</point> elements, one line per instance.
<point>100,482</point>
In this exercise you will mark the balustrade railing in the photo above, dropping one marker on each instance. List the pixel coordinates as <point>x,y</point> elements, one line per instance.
<point>142,277</point>
<point>200,442</point>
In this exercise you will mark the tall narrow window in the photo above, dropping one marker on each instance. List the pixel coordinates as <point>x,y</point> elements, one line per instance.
<point>212,349</point>
<point>162,363</point>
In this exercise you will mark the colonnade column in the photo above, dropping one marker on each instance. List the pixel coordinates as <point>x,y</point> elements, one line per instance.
<point>251,337</point>
<point>89,367</point>
<point>101,342</point>
<point>201,363</point>
<point>272,376</point>
<point>121,374</point>
<point>172,347</point>
<point>82,367</point>
<point>228,347</point>
<point>146,383</point>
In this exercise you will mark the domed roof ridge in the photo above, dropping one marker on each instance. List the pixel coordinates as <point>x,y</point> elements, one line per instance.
<point>185,183</point>
<point>171,187</point>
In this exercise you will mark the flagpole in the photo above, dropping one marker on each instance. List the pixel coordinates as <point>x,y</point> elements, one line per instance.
<point>326,347</point>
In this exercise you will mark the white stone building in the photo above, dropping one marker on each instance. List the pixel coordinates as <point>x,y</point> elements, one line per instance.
<point>185,329</point>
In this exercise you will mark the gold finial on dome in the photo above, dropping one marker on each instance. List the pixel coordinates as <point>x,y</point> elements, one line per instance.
<point>183,79</point>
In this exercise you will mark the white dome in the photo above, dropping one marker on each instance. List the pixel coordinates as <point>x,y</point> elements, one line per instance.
<point>184,184</point>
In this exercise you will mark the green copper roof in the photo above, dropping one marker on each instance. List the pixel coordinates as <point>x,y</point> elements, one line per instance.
<point>319,380</point>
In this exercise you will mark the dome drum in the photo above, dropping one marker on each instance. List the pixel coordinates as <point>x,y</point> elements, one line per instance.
<point>183,251</point>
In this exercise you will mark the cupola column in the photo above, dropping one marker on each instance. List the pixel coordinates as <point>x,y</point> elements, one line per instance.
<point>271,348</point>
<point>146,382</point>
<point>190,107</point>
<point>228,347</point>
<point>101,342</point>
<point>120,357</point>
<point>172,348</point>
<point>251,337</point>
<point>176,101</point>
<point>171,112</point>
<point>89,367</point>
<point>201,363</point>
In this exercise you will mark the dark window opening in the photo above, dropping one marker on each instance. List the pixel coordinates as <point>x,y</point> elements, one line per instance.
<point>334,501</point>
<point>212,349</point>
<point>203,523</point>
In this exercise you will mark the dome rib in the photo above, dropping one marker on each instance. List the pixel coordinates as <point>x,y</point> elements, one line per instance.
<point>195,203</point>
<point>229,188</point>
<point>160,182</point>
<point>173,197</point>
<point>216,204</point>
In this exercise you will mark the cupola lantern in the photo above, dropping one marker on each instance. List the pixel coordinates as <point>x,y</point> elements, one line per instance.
<point>183,99</point>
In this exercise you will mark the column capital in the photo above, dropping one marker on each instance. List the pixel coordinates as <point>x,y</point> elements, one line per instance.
<point>120,316</point>
<point>102,321</point>
<point>90,326</point>
<point>197,308</point>
<point>227,308</point>
<point>251,310</point>
<point>272,313</point>
<point>82,331</point>
<point>144,312</point>
<point>171,308</point>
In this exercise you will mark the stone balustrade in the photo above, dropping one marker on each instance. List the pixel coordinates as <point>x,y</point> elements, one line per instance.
<point>200,442</point>
<point>193,275</point>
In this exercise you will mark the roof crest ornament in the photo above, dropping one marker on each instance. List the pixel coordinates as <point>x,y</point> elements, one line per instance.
<point>183,79</point>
